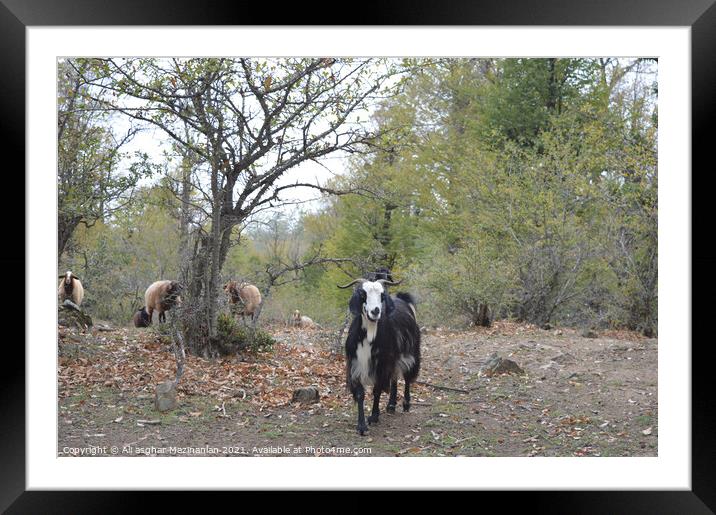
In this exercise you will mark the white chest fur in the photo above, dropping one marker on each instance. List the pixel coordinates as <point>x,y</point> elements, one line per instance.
<point>361,365</point>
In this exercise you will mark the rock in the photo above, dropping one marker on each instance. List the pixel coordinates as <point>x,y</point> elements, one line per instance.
<point>451,362</point>
<point>550,368</point>
<point>558,332</point>
<point>564,357</point>
<point>589,333</point>
<point>306,395</point>
<point>496,365</point>
<point>547,326</point>
<point>70,315</point>
<point>165,396</point>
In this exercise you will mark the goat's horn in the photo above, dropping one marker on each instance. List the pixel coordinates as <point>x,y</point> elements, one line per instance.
<point>390,283</point>
<point>352,283</point>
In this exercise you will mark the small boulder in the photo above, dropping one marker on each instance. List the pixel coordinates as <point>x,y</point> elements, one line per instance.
<point>165,396</point>
<point>547,326</point>
<point>306,395</point>
<point>589,333</point>
<point>496,365</point>
<point>70,315</point>
<point>564,357</point>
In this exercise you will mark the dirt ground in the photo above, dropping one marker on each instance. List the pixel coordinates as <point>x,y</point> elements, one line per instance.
<point>578,397</point>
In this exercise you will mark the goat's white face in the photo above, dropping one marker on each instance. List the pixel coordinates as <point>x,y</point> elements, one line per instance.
<point>68,277</point>
<point>373,304</point>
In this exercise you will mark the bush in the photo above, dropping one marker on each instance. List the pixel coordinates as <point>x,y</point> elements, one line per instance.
<point>470,286</point>
<point>234,337</point>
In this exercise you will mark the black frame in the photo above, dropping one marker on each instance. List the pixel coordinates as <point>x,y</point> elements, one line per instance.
<point>700,15</point>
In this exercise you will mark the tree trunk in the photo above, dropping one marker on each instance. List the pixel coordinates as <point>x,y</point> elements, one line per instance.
<point>184,256</point>
<point>203,289</point>
<point>66,225</point>
<point>483,316</point>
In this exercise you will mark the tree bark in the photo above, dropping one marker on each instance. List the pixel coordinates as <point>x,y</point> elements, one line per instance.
<point>65,227</point>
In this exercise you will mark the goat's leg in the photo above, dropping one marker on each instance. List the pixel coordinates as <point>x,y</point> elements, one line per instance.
<point>359,396</point>
<point>392,399</point>
<point>375,413</point>
<point>406,397</point>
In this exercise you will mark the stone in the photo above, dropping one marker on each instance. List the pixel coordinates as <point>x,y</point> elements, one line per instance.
<point>70,315</point>
<point>589,333</point>
<point>306,395</point>
<point>564,357</point>
<point>496,365</point>
<point>165,396</point>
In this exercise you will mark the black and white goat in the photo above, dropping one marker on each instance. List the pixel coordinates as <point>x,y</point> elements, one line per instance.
<point>383,345</point>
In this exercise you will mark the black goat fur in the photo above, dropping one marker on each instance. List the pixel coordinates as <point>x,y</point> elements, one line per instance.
<point>396,344</point>
<point>141,318</point>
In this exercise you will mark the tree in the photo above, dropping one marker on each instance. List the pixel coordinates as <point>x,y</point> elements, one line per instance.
<point>89,185</point>
<point>249,121</point>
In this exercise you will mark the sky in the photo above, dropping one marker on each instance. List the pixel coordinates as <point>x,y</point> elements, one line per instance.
<point>154,142</point>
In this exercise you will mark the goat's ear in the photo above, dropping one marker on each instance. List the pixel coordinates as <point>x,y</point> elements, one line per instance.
<point>75,277</point>
<point>356,303</point>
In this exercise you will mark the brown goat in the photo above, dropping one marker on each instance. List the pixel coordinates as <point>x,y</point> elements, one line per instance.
<point>161,296</point>
<point>70,288</point>
<point>303,321</point>
<point>246,296</point>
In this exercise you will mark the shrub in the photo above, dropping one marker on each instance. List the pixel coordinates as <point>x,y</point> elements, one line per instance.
<point>234,337</point>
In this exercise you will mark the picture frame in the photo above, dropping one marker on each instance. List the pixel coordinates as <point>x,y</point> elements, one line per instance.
<point>16,16</point>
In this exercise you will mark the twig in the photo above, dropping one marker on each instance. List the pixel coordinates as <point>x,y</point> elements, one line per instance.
<point>440,387</point>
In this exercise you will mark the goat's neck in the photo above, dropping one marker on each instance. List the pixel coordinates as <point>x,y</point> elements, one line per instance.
<point>371,329</point>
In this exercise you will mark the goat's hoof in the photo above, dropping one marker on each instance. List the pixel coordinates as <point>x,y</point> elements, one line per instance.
<point>362,429</point>
<point>373,419</point>
<point>406,406</point>
<point>390,408</point>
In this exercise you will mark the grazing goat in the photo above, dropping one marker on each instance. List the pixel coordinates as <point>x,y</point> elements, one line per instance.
<point>141,318</point>
<point>303,321</point>
<point>161,296</point>
<point>70,288</point>
<point>246,295</point>
<point>383,345</point>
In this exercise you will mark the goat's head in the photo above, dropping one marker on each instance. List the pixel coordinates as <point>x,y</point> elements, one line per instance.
<point>173,298</point>
<point>231,289</point>
<point>297,315</point>
<point>67,283</point>
<point>370,298</point>
<point>68,277</point>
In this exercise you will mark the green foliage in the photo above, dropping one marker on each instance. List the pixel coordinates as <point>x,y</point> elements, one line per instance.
<point>234,337</point>
<point>119,259</point>
<point>525,185</point>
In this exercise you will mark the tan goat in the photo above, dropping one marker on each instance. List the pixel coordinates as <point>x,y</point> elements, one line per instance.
<point>245,297</point>
<point>303,321</point>
<point>70,288</point>
<point>161,296</point>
